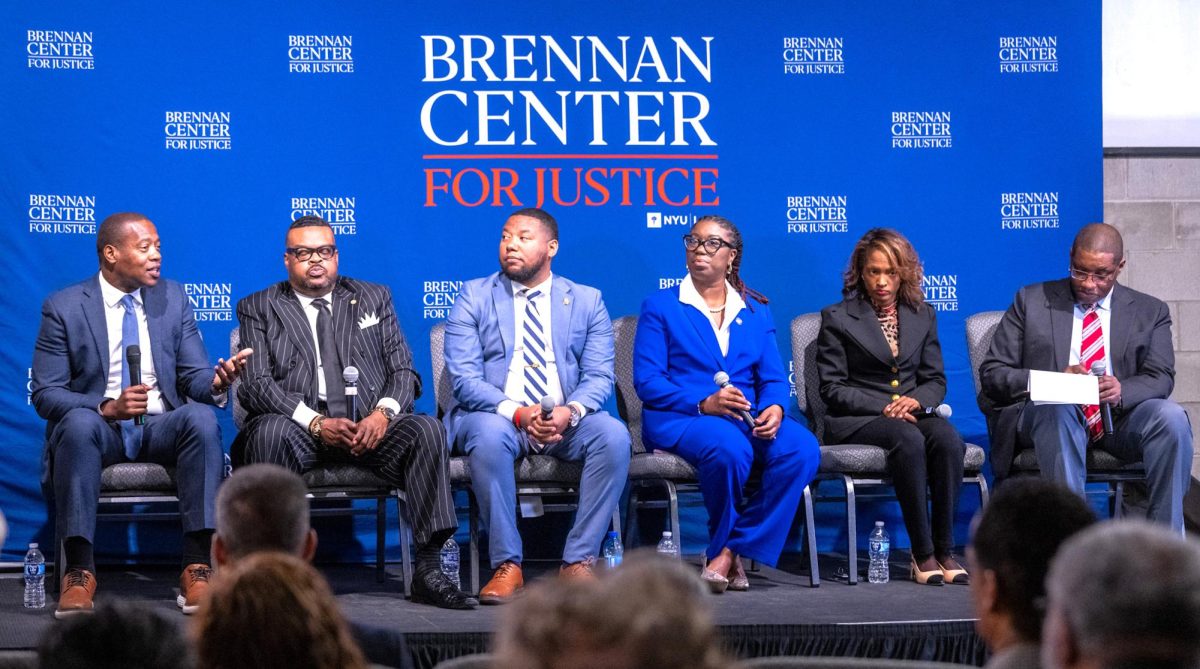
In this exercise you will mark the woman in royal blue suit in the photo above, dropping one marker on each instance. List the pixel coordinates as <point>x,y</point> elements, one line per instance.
<point>711,322</point>
<point>879,360</point>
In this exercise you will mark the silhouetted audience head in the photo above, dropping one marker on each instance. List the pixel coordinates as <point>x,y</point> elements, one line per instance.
<point>1014,539</point>
<point>118,635</point>
<point>649,613</point>
<point>272,610</point>
<point>262,507</point>
<point>1124,594</point>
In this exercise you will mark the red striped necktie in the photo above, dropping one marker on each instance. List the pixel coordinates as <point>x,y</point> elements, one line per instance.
<point>1091,350</point>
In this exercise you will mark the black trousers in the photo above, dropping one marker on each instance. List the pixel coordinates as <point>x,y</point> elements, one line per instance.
<point>921,457</point>
<point>412,456</point>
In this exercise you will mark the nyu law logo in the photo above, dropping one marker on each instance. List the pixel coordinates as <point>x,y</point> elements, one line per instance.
<point>657,219</point>
<point>59,50</point>
<point>62,214</point>
<point>320,54</point>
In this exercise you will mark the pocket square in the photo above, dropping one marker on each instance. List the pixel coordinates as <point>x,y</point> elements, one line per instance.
<point>367,321</point>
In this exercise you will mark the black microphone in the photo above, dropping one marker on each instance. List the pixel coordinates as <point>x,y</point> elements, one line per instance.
<point>547,407</point>
<point>722,380</point>
<point>941,411</point>
<point>350,377</point>
<point>133,361</point>
<point>1105,408</point>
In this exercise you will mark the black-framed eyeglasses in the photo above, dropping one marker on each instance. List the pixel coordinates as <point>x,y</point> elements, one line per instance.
<point>1100,277</point>
<point>711,245</point>
<point>303,253</point>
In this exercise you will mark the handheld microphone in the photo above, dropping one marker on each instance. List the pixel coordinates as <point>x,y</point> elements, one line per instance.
<point>722,380</point>
<point>547,407</point>
<point>941,411</point>
<point>1105,408</point>
<point>350,377</point>
<point>133,362</point>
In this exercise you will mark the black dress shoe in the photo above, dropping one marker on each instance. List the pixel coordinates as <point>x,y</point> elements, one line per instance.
<point>432,587</point>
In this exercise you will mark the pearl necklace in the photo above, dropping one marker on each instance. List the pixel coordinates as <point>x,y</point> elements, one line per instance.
<point>717,310</point>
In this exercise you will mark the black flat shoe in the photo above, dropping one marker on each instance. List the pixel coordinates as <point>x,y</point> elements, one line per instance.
<point>432,587</point>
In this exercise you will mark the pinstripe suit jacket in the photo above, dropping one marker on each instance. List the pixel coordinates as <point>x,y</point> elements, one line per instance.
<point>282,371</point>
<point>479,344</point>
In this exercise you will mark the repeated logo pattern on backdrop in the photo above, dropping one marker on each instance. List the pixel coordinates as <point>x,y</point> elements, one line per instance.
<point>414,128</point>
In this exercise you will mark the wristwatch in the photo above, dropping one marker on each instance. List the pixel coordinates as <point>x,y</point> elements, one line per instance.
<point>388,412</point>
<point>575,414</point>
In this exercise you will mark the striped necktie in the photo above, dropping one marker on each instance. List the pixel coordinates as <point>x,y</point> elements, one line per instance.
<point>533,343</point>
<point>1091,350</point>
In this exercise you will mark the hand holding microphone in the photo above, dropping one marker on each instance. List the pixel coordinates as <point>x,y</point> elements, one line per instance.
<point>547,423</point>
<point>1110,388</point>
<point>132,401</point>
<point>728,401</point>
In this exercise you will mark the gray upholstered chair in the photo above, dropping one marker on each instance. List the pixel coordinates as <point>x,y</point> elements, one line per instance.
<point>660,469</point>
<point>839,663</point>
<point>855,465</point>
<point>541,476</point>
<point>1102,466</point>
<point>476,661</point>
<point>337,482</point>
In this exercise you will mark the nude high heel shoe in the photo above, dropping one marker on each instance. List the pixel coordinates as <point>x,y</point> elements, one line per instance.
<point>931,577</point>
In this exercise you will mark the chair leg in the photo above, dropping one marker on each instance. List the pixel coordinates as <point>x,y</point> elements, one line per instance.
<point>473,544</point>
<point>381,538</point>
<point>616,524</point>
<point>631,513</point>
<point>1117,506</point>
<point>984,493</point>
<point>810,531</point>
<point>851,530</point>
<point>406,566</point>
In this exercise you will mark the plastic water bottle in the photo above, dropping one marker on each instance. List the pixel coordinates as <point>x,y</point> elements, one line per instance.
<point>667,547</point>
<point>35,578</point>
<point>879,546</point>
<point>612,550</point>
<point>449,561</point>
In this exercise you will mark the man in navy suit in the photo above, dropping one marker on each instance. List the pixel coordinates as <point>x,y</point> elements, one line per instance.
<point>81,386</point>
<point>513,339</point>
<point>308,330</point>
<point>1069,325</point>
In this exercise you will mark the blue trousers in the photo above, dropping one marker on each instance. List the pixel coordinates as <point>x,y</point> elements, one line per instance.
<point>494,444</point>
<point>723,450</point>
<point>83,444</point>
<point>1155,432</point>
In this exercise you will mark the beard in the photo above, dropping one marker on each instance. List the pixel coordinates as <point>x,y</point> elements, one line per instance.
<point>521,276</point>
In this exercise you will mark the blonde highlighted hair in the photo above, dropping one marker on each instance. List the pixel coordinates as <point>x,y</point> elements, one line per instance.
<point>903,257</point>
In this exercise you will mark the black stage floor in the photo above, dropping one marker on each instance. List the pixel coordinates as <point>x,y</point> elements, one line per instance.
<point>780,615</point>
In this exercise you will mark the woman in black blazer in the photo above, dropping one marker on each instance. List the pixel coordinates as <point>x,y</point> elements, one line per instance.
<point>879,361</point>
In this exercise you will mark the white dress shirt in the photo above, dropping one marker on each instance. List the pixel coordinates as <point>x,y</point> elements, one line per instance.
<point>114,317</point>
<point>514,384</point>
<point>303,414</point>
<point>1104,311</point>
<point>733,306</point>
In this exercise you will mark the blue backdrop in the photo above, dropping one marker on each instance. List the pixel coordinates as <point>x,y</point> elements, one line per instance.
<point>974,128</point>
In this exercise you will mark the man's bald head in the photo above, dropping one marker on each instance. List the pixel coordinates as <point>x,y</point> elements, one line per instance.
<point>1099,238</point>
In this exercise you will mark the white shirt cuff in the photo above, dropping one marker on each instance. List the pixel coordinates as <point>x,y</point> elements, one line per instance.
<point>507,408</point>
<point>304,415</point>
<point>388,403</point>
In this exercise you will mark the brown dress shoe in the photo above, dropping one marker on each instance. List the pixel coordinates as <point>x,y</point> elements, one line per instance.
<point>77,591</point>
<point>505,583</point>
<point>193,584</point>
<point>577,571</point>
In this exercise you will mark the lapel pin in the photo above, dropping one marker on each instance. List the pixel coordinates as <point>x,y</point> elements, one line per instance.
<point>353,301</point>
<point>566,301</point>
<point>738,321</point>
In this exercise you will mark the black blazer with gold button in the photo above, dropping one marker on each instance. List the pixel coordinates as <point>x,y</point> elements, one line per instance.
<point>860,376</point>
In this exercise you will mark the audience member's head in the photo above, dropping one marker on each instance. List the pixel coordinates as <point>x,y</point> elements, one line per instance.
<point>270,610</point>
<point>262,508</point>
<point>650,613</point>
<point>1123,594</point>
<point>1014,539</point>
<point>118,635</point>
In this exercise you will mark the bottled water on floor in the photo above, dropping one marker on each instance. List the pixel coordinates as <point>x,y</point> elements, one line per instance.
<point>667,546</point>
<point>35,578</point>
<point>879,546</point>
<point>612,551</point>
<point>449,561</point>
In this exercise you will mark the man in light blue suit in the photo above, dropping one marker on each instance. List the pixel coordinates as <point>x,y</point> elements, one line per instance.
<point>84,386</point>
<point>514,339</point>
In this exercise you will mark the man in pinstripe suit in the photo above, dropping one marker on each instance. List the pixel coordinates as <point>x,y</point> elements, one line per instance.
<point>306,331</point>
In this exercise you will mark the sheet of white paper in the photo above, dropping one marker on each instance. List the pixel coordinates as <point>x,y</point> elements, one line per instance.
<point>1059,388</point>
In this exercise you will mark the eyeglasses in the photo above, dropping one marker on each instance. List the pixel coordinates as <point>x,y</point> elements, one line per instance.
<point>1080,275</point>
<point>711,245</point>
<point>303,253</point>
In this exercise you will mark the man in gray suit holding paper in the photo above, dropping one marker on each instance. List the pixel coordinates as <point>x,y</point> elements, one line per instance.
<point>1074,325</point>
<point>513,339</point>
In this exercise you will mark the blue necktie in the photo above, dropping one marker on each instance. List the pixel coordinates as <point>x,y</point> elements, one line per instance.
<point>533,338</point>
<point>130,434</point>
